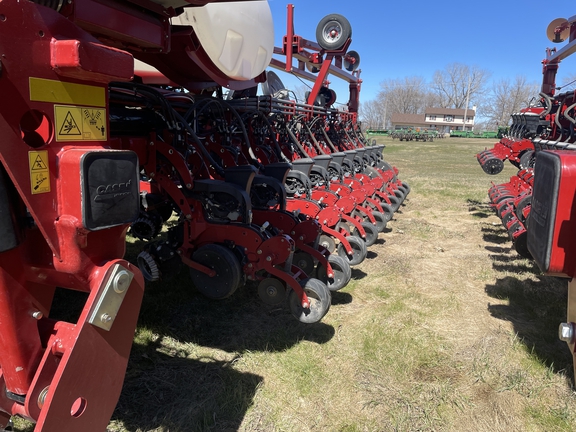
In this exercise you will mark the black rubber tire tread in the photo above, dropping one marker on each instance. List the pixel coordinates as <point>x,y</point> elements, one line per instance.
<point>388,211</point>
<point>394,202</point>
<point>320,300</point>
<point>526,159</point>
<point>359,250</point>
<point>228,271</point>
<point>346,32</point>
<point>381,221</point>
<point>342,273</point>
<point>371,233</point>
<point>526,201</point>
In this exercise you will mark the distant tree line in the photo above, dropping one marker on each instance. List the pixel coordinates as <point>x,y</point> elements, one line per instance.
<point>451,87</point>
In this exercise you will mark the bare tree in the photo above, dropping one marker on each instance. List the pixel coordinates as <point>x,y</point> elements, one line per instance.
<point>457,83</point>
<point>372,114</point>
<point>568,83</point>
<point>507,97</point>
<point>405,96</point>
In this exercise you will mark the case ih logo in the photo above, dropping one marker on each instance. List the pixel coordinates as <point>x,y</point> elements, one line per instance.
<point>110,192</point>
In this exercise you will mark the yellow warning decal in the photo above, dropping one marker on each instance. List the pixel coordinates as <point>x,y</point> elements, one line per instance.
<point>45,90</point>
<point>39,171</point>
<point>80,123</point>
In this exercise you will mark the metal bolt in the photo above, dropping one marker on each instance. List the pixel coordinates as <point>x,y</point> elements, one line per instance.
<point>37,315</point>
<point>170,151</point>
<point>189,185</point>
<point>268,258</point>
<point>188,216</point>
<point>42,397</point>
<point>105,318</point>
<point>566,332</point>
<point>121,281</point>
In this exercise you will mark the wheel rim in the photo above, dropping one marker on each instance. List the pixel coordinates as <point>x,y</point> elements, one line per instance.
<point>332,32</point>
<point>328,242</point>
<point>304,262</point>
<point>271,291</point>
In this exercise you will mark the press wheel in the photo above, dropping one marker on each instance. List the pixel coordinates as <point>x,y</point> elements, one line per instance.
<point>319,297</point>
<point>359,250</point>
<point>227,267</point>
<point>371,233</point>
<point>342,273</point>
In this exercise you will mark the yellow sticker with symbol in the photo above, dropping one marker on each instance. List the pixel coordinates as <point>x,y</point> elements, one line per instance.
<point>39,171</point>
<point>75,123</point>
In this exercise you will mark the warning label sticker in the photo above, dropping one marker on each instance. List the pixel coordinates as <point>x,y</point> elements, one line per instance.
<point>39,171</point>
<point>80,123</point>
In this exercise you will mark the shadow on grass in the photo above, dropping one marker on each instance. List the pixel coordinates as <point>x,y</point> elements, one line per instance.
<point>479,209</point>
<point>239,323</point>
<point>535,309</point>
<point>340,298</point>
<point>495,235</point>
<point>358,274</point>
<point>536,303</point>
<point>170,392</point>
<point>371,254</point>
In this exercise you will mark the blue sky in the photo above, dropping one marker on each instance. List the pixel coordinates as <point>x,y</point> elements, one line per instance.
<point>416,38</point>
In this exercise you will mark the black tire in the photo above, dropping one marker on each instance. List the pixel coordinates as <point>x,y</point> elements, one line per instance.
<point>526,159</point>
<point>333,31</point>
<point>407,187</point>
<point>371,233</point>
<point>342,273</point>
<point>359,250</point>
<point>227,267</point>
<point>320,299</point>
<point>394,202</point>
<point>388,211</point>
<point>403,190</point>
<point>526,201</point>
<point>381,221</point>
<point>521,246</point>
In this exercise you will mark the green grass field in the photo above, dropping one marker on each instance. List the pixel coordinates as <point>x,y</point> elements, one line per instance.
<point>443,328</point>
